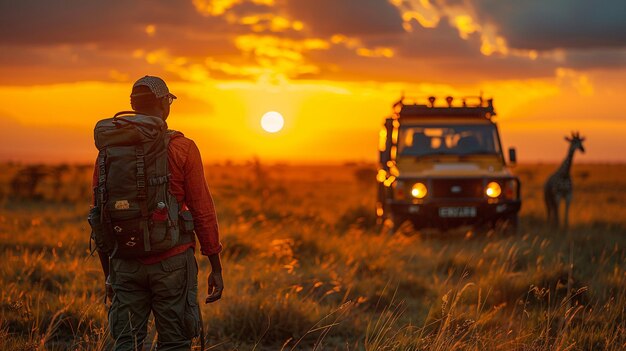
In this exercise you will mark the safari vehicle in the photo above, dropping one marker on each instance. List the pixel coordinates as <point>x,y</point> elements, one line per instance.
<point>443,167</point>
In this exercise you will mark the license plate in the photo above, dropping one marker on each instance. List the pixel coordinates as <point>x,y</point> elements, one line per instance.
<point>457,212</point>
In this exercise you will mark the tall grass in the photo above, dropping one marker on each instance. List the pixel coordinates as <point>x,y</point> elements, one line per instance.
<point>306,268</point>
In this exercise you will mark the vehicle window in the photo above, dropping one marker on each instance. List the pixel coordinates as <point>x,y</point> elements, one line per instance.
<point>453,140</point>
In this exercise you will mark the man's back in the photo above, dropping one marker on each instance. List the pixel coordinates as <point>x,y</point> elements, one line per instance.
<point>187,183</point>
<point>164,283</point>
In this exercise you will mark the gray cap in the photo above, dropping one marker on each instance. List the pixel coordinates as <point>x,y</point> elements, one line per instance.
<point>156,85</point>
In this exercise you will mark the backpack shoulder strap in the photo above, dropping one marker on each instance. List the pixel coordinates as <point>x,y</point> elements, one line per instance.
<point>101,189</point>
<point>142,193</point>
<point>125,113</point>
<point>162,165</point>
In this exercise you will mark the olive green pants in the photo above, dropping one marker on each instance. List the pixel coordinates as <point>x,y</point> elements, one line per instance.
<point>168,288</point>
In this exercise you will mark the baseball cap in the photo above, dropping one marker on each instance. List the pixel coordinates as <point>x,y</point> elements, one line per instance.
<point>156,86</point>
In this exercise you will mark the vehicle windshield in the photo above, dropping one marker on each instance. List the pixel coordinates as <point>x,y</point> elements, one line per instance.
<point>468,139</point>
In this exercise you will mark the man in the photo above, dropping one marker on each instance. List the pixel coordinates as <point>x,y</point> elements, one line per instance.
<point>165,283</point>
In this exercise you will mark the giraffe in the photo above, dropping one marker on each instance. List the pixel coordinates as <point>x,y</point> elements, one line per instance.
<point>559,185</point>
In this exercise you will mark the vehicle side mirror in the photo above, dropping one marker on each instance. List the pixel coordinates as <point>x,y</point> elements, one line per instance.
<point>512,156</point>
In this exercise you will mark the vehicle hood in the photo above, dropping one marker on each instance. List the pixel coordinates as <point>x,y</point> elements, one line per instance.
<point>452,167</point>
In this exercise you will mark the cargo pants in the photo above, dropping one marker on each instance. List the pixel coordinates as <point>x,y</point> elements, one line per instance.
<point>168,288</point>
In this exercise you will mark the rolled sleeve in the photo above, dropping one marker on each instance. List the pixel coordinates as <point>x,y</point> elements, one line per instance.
<point>200,202</point>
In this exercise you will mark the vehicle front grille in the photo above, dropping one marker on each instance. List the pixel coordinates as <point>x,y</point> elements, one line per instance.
<point>457,188</point>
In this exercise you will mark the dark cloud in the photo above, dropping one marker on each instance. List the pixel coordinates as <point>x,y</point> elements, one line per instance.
<point>440,42</point>
<point>26,65</point>
<point>349,17</point>
<point>250,9</point>
<point>189,42</point>
<point>435,55</point>
<point>111,25</point>
<point>340,64</point>
<point>75,40</point>
<point>589,59</point>
<point>546,25</point>
<point>36,22</point>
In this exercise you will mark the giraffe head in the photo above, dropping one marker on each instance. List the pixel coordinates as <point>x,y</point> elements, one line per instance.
<point>576,141</point>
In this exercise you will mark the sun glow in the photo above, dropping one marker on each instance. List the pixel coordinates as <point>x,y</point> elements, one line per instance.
<point>272,122</point>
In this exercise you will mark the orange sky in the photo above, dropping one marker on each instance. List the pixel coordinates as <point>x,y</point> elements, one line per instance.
<point>331,67</point>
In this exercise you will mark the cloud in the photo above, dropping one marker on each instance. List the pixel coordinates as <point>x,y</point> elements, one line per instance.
<point>608,58</point>
<point>567,33</point>
<point>115,26</point>
<point>348,17</point>
<point>114,22</point>
<point>87,40</point>
<point>438,42</point>
<point>437,55</point>
<point>547,25</point>
<point>26,65</point>
<point>243,9</point>
<point>278,40</point>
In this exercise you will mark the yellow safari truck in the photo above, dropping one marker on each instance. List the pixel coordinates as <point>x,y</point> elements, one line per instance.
<point>442,166</point>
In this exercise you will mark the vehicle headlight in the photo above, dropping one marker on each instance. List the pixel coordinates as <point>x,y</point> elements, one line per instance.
<point>419,190</point>
<point>493,190</point>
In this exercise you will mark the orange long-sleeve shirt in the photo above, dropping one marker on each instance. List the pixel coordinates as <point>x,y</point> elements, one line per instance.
<point>188,185</point>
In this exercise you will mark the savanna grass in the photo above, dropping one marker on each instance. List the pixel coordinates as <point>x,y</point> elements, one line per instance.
<point>306,267</point>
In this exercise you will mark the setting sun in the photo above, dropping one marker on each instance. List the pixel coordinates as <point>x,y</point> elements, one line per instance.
<point>272,122</point>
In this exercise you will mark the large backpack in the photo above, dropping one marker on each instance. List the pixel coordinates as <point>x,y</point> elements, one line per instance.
<point>134,215</point>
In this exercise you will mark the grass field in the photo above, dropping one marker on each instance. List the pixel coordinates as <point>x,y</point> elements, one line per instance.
<point>305,267</point>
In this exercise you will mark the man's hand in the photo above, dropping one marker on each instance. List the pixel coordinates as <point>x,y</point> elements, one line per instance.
<point>109,290</point>
<point>216,286</point>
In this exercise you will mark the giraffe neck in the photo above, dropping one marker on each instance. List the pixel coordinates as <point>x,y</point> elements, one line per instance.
<point>567,163</point>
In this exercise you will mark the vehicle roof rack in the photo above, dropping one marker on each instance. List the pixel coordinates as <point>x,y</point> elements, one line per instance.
<point>471,106</point>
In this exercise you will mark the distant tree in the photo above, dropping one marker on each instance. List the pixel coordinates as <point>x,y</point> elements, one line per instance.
<point>365,175</point>
<point>24,183</point>
<point>260,181</point>
<point>57,179</point>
